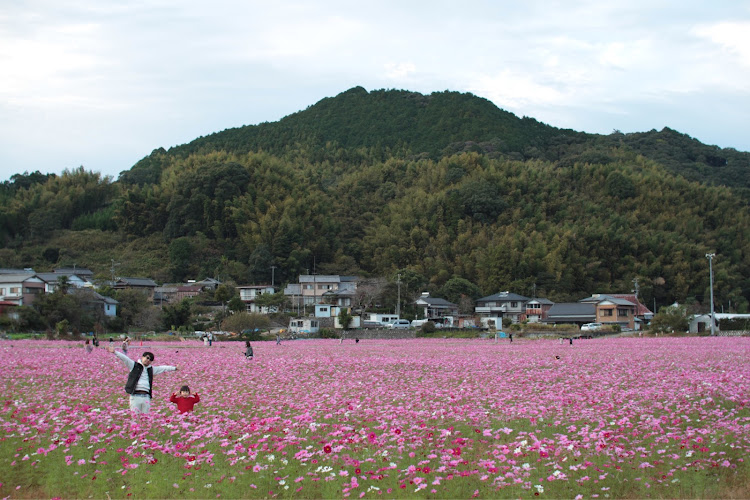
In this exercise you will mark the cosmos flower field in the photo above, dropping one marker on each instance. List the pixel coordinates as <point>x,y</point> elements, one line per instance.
<point>432,418</point>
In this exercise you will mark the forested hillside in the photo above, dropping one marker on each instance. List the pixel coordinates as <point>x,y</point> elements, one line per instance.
<point>438,186</point>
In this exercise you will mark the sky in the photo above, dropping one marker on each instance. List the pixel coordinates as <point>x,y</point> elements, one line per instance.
<point>101,83</point>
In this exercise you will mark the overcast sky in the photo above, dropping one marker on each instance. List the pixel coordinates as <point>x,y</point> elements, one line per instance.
<point>101,83</point>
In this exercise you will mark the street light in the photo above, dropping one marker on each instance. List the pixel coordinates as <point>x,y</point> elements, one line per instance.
<point>710,257</point>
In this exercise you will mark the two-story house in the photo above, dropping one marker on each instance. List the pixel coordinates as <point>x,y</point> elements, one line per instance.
<point>435,309</point>
<point>21,288</point>
<point>612,311</point>
<point>537,309</point>
<point>502,305</point>
<point>52,281</point>
<point>315,289</point>
<point>249,294</point>
<point>145,285</point>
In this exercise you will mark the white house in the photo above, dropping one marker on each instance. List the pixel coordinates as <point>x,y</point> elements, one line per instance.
<point>503,305</point>
<point>304,325</point>
<point>20,289</point>
<point>250,293</point>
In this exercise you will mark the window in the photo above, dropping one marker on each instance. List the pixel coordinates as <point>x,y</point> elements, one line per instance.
<point>623,312</point>
<point>2,291</point>
<point>514,304</point>
<point>307,287</point>
<point>15,289</point>
<point>607,312</point>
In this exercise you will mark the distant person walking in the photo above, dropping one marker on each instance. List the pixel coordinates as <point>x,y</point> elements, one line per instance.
<point>141,379</point>
<point>125,345</point>
<point>278,339</point>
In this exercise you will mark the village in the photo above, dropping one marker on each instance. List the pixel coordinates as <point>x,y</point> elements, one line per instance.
<point>316,302</point>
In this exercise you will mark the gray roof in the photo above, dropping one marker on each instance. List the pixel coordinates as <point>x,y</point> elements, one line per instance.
<point>504,297</point>
<point>325,278</point>
<point>572,311</point>
<point>54,277</point>
<point>80,271</point>
<point>436,302</point>
<point>136,282</point>
<point>544,302</point>
<point>601,297</point>
<point>17,278</point>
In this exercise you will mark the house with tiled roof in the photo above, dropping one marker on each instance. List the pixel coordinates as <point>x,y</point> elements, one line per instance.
<point>576,313</point>
<point>434,308</point>
<point>20,289</point>
<point>146,285</point>
<point>612,311</point>
<point>537,310</point>
<point>502,305</point>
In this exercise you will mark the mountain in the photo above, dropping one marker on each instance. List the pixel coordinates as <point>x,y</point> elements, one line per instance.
<point>435,187</point>
<point>402,122</point>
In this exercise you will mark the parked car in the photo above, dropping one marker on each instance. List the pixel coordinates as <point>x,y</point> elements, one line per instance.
<point>418,322</point>
<point>591,327</point>
<point>400,323</point>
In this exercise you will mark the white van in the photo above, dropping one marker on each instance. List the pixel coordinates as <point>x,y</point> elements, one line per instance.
<point>400,323</point>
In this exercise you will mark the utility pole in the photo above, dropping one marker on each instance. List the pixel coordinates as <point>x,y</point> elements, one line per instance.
<point>398,303</point>
<point>635,287</point>
<point>710,257</point>
<point>273,269</point>
<point>113,271</point>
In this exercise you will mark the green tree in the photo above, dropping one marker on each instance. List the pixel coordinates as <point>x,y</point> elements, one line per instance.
<point>177,315</point>
<point>670,319</point>
<point>456,288</point>
<point>132,303</point>
<point>236,305</point>
<point>344,318</point>
<point>180,258</point>
<point>271,301</point>
<point>244,321</point>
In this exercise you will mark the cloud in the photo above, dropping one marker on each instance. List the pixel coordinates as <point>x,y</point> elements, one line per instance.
<point>733,37</point>
<point>399,71</point>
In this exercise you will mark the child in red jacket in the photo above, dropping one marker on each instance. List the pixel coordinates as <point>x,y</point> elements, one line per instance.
<point>184,400</point>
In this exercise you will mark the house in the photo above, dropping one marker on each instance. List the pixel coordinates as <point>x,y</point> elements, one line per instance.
<point>187,291</point>
<point>503,305</point>
<point>537,309</point>
<point>249,293</point>
<point>435,309</point>
<point>146,285</point>
<point>106,306</point>
<point>52,281</point>
<point>81,272</point>
<point>643,314</point>
<point>304,325</point>
<point>165,294</point>
<point>20,289</point>
<point>208,284</point>
<point>612,311</point>
<point>313,289</point>
<point>571,313</point>
<point>701,323</point>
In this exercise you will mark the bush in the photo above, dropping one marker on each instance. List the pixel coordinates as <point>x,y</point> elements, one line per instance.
<point>328,333</point>
<point>428,327</point>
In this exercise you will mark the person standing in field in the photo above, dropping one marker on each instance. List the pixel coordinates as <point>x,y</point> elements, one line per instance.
<point>248,350</point>
<point>141,379</point>
<point>88,346</point>
<point>184,400</point>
